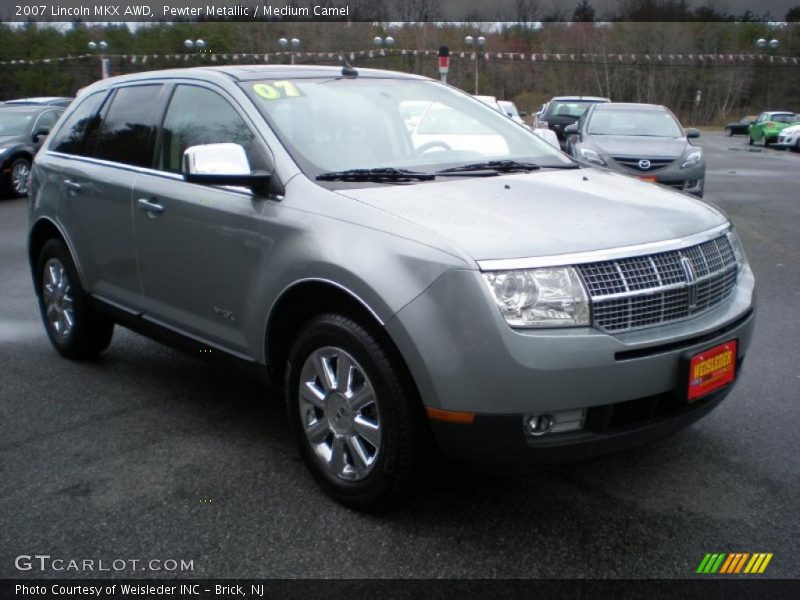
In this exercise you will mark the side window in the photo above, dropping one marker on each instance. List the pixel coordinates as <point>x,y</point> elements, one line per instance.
<point>198,116</point>
<point>46,120</point>
<point>71,135</point>
<point>127,132</point>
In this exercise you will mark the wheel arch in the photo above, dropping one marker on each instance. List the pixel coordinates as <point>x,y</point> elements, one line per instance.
<point>43,230</point>
<point>303,300</point>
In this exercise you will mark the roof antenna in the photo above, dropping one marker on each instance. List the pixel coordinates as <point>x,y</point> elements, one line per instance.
<point>347,68</point>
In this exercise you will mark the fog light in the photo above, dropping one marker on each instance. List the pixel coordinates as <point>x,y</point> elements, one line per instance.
<point>557,422</point>
<point>539,424</point>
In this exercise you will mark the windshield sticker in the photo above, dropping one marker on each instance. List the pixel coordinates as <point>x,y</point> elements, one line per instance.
<point>276,90</point>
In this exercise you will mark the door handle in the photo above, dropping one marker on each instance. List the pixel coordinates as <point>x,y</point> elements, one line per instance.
<point>151,206</point>
<point>73,186</point>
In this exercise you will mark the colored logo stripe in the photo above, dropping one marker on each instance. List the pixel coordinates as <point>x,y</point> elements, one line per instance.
<point>724,563</point>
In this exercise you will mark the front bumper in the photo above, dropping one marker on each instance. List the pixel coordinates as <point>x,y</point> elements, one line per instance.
<point>464,357</point>
<point>690,179</point>
<point>787,141</point>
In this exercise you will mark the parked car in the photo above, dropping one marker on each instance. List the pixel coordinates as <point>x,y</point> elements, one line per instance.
<point>44,100</point>
<point>489,101</point>
<point>511,111</point>
<point>510,307</point>
<point>740,127</point>
<point>22,128</point>
<point>562,111</point>
<point>768,125</point>
<point>644,140</point>
<point>789,138</point>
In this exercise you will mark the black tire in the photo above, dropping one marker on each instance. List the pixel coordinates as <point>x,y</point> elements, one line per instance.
<point>91,331</point>
<point>404,437</point>
<point>765,141</point>
<point>14,187</point>
<point>749,139</point>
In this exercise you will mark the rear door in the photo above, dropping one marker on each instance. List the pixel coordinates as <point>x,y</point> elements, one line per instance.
<point>97,189</point>
<point>202,248</point>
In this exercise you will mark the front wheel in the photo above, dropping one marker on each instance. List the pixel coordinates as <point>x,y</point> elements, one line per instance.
<point>18,175</point>
<point>354,414</point>
<point>74,328</point>
<point>749,139</point>
<point>765,141</point>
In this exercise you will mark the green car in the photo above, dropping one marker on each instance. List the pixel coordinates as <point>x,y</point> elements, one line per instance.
<point>768,125</point>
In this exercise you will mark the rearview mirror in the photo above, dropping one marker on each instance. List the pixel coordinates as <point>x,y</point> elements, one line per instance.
<point>692,133</point>
<point>571,129</point>
<point>224,164</point>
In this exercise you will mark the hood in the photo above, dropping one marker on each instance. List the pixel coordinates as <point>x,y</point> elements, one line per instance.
<point>543,212</point>
<point>5,140</point>
<point>792,129</point>
<point>638,146</point>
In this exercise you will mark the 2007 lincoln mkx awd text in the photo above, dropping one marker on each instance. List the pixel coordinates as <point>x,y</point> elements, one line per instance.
<point>454,279</point>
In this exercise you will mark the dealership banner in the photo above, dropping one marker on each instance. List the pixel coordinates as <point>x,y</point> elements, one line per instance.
<point>245,57</point>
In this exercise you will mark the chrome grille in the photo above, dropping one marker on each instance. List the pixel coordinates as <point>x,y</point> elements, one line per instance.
<point>633,163</point>
<point>643,291</point>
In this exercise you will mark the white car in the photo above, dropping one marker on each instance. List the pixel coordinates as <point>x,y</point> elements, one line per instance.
<point>789,138</point>
<point>510,109</point>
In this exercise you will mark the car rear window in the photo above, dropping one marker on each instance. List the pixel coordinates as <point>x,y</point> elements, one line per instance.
<point>127,131</point>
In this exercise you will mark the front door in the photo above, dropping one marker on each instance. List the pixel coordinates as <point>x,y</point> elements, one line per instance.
<point>202,248</point>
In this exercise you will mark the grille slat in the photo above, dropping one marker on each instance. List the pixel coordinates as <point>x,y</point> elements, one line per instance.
<point>633,163</point>
<point>644,291</point>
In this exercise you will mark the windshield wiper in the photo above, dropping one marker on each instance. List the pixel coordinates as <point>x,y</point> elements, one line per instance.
<point>497,166</point>
<point>378,175</point>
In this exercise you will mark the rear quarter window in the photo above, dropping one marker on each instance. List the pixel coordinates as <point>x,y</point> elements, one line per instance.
<point>70,137</point>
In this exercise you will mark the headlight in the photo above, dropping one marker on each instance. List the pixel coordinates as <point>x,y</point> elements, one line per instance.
<point>549,297</point>
<point>694,157</point>
<point>738,249</point>
<point>592,156</point>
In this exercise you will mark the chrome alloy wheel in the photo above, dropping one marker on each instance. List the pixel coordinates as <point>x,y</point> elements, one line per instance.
<point>339,413</point>
<point>58,302</point>
<point>19,177</point>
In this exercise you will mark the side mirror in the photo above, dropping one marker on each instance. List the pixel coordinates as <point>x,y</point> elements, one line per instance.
<point>571,129</point>
<point>225,164</point>
<point>39,135</point>
<point>692,133</point>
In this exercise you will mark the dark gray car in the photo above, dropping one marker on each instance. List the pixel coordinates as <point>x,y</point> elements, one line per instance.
<point>22,129</point>
<point>643,140</point>
<point>459,284</point>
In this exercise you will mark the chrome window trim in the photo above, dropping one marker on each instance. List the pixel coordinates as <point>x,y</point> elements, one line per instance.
<point>562,260</point>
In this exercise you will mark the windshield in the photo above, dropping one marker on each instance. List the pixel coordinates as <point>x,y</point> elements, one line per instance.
<point>651,123</point>
<point>572,109</point>
<point>784,118</point>
<point>336,124</point>
<point>14,123</point>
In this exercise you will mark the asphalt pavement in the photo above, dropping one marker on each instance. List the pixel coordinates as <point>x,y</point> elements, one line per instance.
<point>149,453</point>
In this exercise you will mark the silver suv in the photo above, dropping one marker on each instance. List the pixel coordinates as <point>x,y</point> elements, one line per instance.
<point>409,276</point>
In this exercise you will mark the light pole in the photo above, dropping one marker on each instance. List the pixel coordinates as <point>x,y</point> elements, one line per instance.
<point>198,45</point>
<point>294,43</point>
<point>380,42</point>
<point>105,64</point>
<point>765,46</point>
<point>477,43</point>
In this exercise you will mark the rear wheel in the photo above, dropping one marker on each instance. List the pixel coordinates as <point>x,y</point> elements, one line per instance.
<point>354,414</point>
<point>74,329</point>
<point>728,131</point>
<point>749,139</point>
